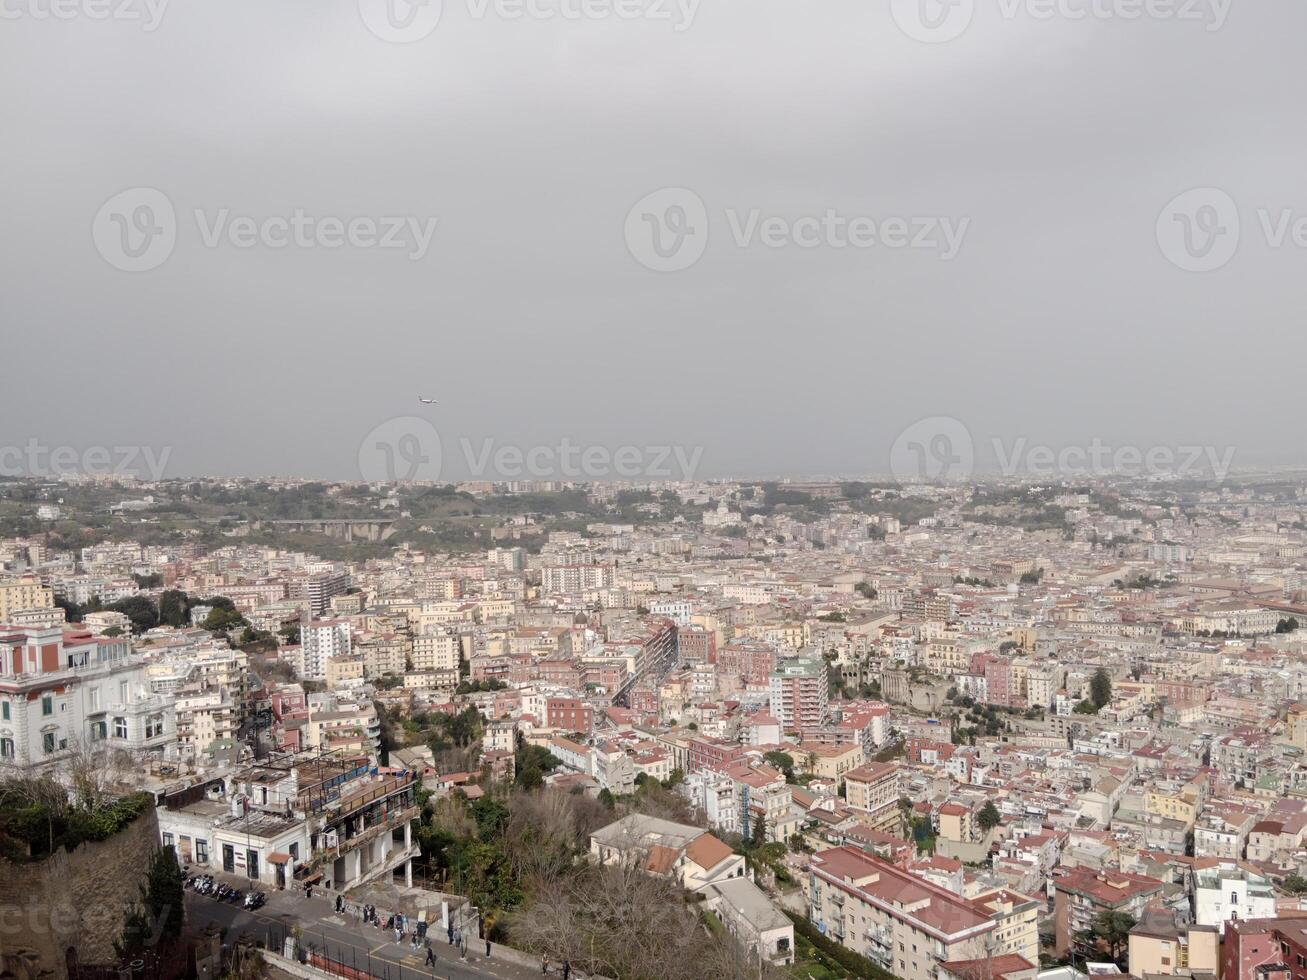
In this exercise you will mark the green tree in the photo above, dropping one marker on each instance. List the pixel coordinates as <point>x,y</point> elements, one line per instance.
<point>758,832</point>
<point>221,620</point>
<point>174,608</point>
<point>1085,707</point>
<point>782,761</point>
<point>156,919</point>
<point>1294,884</point>
<point>140,610</point>
<point>1113,929</point>
<point>989,817</point>
<point>1100,688</point>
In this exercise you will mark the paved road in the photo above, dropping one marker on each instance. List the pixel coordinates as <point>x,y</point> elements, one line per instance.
<point>348,942</point>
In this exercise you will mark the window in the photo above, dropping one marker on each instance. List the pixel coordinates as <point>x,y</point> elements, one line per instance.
<point>294,850</point>
<point>4,710</point>
<point>122,692</point>
<point>167,839</point>
<point>98,731</point>
<point>120,727</point>
<point>47,742</point>
<point>6,748</point>
<point>153,726</point>
<point>95,699</point>
<point>201,851</point>
<point>47,705</point>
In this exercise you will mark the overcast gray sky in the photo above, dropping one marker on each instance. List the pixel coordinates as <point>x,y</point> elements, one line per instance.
<point>1049,143</point>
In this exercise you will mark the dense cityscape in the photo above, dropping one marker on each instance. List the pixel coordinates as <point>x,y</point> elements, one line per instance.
<point>950,731</point>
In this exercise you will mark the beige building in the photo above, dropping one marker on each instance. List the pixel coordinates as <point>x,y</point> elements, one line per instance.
<point>905,924</point>
<point>830,761</point>
<point>203,718</point>
<point>344,672</point>
<point>957,823</point>
<point>1159,947</point>
<point>1016,922</point>
<point>435,651</point>
<point>23,593</point>
<point>875,787</point>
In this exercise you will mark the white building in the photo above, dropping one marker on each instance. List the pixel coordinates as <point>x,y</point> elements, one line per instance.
<point>320,641</point>
<point>63,691</point>
<point>1229,891</point>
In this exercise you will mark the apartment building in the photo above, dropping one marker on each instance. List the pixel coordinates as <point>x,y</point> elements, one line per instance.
<point>1016,922</point>
<point>570,714</point>
<point>800,693</point>
<point>321,588</point>
<point>1225,891</point>
<point>1160,946</point>
<point>64,691</point>
<point>322,640</point>
<point>696,645</point>
<point>1082,894</point>
<point>436,649</point>
<point>574,579</point>
<point>26,592</point>
<point>204,717</point>
<point>903,923</point>
<point>875,787</point>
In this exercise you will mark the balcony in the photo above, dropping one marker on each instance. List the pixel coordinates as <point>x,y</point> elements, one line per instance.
<point>392,820</point>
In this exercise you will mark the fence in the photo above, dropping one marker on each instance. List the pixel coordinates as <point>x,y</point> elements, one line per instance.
<point>352,960</point>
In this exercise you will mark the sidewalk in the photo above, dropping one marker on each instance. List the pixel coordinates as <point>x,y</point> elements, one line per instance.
<point>504,961</point>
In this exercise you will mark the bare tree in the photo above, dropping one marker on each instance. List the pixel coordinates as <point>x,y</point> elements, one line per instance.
<point>619,920</point>
<point>95,772</point>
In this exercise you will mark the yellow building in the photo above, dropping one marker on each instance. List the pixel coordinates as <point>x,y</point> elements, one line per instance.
<point>23,593</point>
<point>344,672</point>
<point>1181,803</point>
<point>1159,947</point>
<point>830,761</point>
<point>1296,722</point>
<point>957,823</point>
<point>1017,919</point>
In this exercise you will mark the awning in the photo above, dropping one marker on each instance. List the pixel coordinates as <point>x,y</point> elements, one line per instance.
<point>279,857</point>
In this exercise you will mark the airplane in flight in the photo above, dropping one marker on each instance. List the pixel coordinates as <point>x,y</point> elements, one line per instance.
<point>426,401</point>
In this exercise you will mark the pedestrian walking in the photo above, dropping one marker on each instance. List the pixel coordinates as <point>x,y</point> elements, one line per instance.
<point>431,956</point>
<point>487,949</point>
<point>544,963</point>
<point>567,969</point>
<point>399,934</point>
<point>340,903</point>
